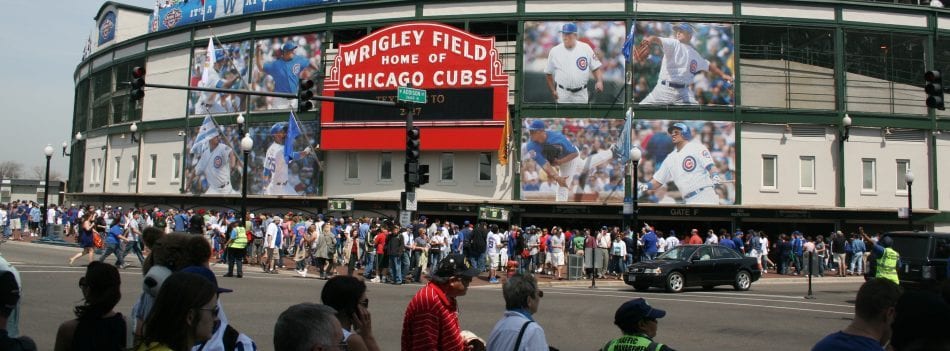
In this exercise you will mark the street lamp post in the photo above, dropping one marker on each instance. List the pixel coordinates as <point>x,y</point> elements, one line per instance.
<point>48,151</point>
<point>909,178</point>
<point>246,145</point>
<point>635,155</point>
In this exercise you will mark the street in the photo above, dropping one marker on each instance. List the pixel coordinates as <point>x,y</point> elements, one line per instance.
<point>772,315</point>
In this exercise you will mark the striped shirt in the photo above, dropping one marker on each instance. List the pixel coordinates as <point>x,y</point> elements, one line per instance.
<point>431,322</point>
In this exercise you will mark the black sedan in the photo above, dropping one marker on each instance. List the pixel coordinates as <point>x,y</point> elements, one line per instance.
<point>694,265</point>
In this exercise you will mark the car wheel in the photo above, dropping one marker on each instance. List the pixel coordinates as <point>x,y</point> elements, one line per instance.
<point>641,287</point>
<point>708,287</point>
<point>675,282</point>
<point>743,281</point>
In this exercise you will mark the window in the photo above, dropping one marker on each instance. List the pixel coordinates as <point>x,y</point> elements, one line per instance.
<point>787,67</point>
<point>902,167</point>
<point>484,167</point>
<point>352,166</point>
<point>115,170</point>
<point>100,171</point>
<point>93,172</point>
<point>448,166</point>
<point>176,166</point>
<point>153,166</point>
<point>883,71</point>
<point>806,173</point>
<point>135,168</point>
<point>386,166</point>
<point>869,176</point>
<point>769,174</point>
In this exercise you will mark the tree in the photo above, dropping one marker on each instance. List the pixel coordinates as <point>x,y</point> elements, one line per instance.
<point>39,173</point>
<point>11,169</point>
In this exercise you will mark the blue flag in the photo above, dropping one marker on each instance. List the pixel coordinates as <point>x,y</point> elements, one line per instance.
<point>628,44</point>
<point>625,135</point>
<point>293,131</point>
<point>208,130</point>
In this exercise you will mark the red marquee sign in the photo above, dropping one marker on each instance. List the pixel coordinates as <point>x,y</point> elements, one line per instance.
<point>467,90</point>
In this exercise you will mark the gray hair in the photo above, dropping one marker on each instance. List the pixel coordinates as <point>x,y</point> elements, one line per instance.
<point>303,326</point>
<point>518,289</point>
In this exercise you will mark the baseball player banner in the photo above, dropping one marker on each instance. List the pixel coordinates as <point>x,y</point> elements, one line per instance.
<point>686,162</point>
<point>580,160</point>
<point>574,62</point>
<point>683,63</point>
<point>222,66</point>
<point>279,64</point>
<point>283,161</point>
<point>213,165</point>
<point>173,13</point>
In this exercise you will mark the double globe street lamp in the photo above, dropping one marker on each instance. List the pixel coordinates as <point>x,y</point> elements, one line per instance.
<point>909,178</point>
<point>246,145</point>
<point>48,151</point>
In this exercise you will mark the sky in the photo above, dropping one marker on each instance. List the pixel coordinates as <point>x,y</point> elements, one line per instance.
<point>43,42</point>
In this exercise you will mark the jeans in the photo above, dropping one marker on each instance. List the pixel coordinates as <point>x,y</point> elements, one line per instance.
<point>628,260</point>
<point>857,263</point>
<point>648,256</point>
<point>114,249</point>
<point>236,256</point>
<point>434,258</point>
<point>133,246</point>
<point>405,264</point>
<point>797,262</point>
<point>395,267</point>
<point>370,264</point>
<point>617,264</point>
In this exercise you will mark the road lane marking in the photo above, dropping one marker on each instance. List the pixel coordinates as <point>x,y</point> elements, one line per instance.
<point>742,296</point>
<point>710,302</point>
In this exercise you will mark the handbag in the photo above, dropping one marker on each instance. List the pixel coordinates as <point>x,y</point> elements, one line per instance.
<point>96,240</point>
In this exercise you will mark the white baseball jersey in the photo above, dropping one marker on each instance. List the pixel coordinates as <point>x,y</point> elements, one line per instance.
<point>571,68</point>
<point>680,62</point>
<point>494,240</point>
<point>687,169</point>
<point>215,165</point>
<point>276,165</point>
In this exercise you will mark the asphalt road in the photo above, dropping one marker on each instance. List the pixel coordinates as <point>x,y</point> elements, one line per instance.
<point>773,315</point>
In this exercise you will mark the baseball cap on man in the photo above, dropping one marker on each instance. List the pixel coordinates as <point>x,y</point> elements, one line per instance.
<point>684,27</point>
<point>9,290</point>
<point>453,265</point>
<point>536,125</point>
<point>636,310</point>
<point>684,130</point>
<point>278,127</point>
<point>569,27</point>
<point>206,273</point>
<point>288,45</point>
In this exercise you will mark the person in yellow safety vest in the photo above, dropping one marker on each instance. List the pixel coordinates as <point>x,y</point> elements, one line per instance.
<point>888,260</point>
<point>237,248</point>
<point>638,322</point>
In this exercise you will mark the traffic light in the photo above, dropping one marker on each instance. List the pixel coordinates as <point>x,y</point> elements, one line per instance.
<point>934,89</point>
<point>412,157</point>
<point>304,94</point>
<point>137,86</point>
<point>423,175</point>
<point>412,174</point>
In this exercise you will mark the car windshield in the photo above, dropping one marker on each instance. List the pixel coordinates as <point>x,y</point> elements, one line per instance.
<point>681,253</point>
<point>911,246</point>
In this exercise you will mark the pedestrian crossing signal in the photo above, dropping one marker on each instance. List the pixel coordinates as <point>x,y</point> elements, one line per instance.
<point>137,89</point>
<point>934,89</point>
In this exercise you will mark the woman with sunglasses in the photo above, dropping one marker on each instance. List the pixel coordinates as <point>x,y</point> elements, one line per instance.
<point>517,329</point>
<point>184,314</point>
<point>347,295</point>
<point>97,326</point>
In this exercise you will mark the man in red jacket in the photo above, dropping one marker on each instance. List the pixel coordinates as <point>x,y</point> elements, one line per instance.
<point>694,238</point>
<point>431,320</point>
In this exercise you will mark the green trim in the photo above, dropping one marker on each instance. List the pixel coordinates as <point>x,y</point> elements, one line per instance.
<point>518,113</point>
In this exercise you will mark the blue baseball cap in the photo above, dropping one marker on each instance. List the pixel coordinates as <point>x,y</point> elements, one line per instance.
<point>288,45</point>
<point>536,125</point>
<point>206,273</point>
<point>220,55</point>
<point>278,127</point>
<point>684,130</point>
<point>684,27</point>
<point>569,27</point>
<point>636,310</point>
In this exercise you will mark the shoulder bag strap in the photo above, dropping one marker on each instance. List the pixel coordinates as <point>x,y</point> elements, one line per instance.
<point>521,335</point>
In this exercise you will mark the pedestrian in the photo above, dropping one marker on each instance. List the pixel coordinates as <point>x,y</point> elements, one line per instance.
<point>431,320</point>
<point>638,322</point>
<point>394,249</point>
<point>694,238</point>
<point>618,251</point>
<point>602,254</point>
<point>271,245</point>
<point>649,244</point>
<point>494,259</point>
<point>307,326</point>
<point>838,243</point>
<point>237,248</point>
<point>86,241</point>
<point>797,245</point>
<point>97,326</point>
<point>558,241</point>
<point>184,314</point>
<point>517,330</point>
<point>419,249</point>
<point>9,311</point>
<point>874,311</point>
<point>115,238</point>
<point>888,260</point>
<point>347,295</point>
<point>857,260</point>
<point>302,251</point>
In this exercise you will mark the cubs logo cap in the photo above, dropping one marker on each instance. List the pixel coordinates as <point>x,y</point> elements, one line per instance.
<point>288,45</point>
<point>684,27</point>
<point>569,27</point>
<point>278,127</point>
<point>536,125</point>
<point>684,130</point>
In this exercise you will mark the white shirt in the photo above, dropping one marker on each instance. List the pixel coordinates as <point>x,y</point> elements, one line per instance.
<point>712,239</point>
<point>215,165</point>
<point>660,244</point>
<point>672,242</point>
<point>571,68</point>
<point>51,216</point>
<point>270,238</point>
<point>3,217</point>
<point>686,168</point>
<point>680,62</point>
<point>505,333</point>
<point>494,240</point>
<point>276,164</point>
<point>765,245</point>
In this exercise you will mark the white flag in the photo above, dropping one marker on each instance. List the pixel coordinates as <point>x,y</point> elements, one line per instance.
<point>208,74</point>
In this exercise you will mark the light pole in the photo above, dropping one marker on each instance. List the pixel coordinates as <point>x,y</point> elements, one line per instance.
<point>635,155</point>
<point>48,151</point>
<point>246,145</point>
<point>909,178</point>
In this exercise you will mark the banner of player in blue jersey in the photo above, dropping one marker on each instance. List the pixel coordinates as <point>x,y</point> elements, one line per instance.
<point>688,64</point>
<point>578,160</point>
<point>573,62</point>
<point>279,64</point>
<point>229,70</point>
<point>213,160</point>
